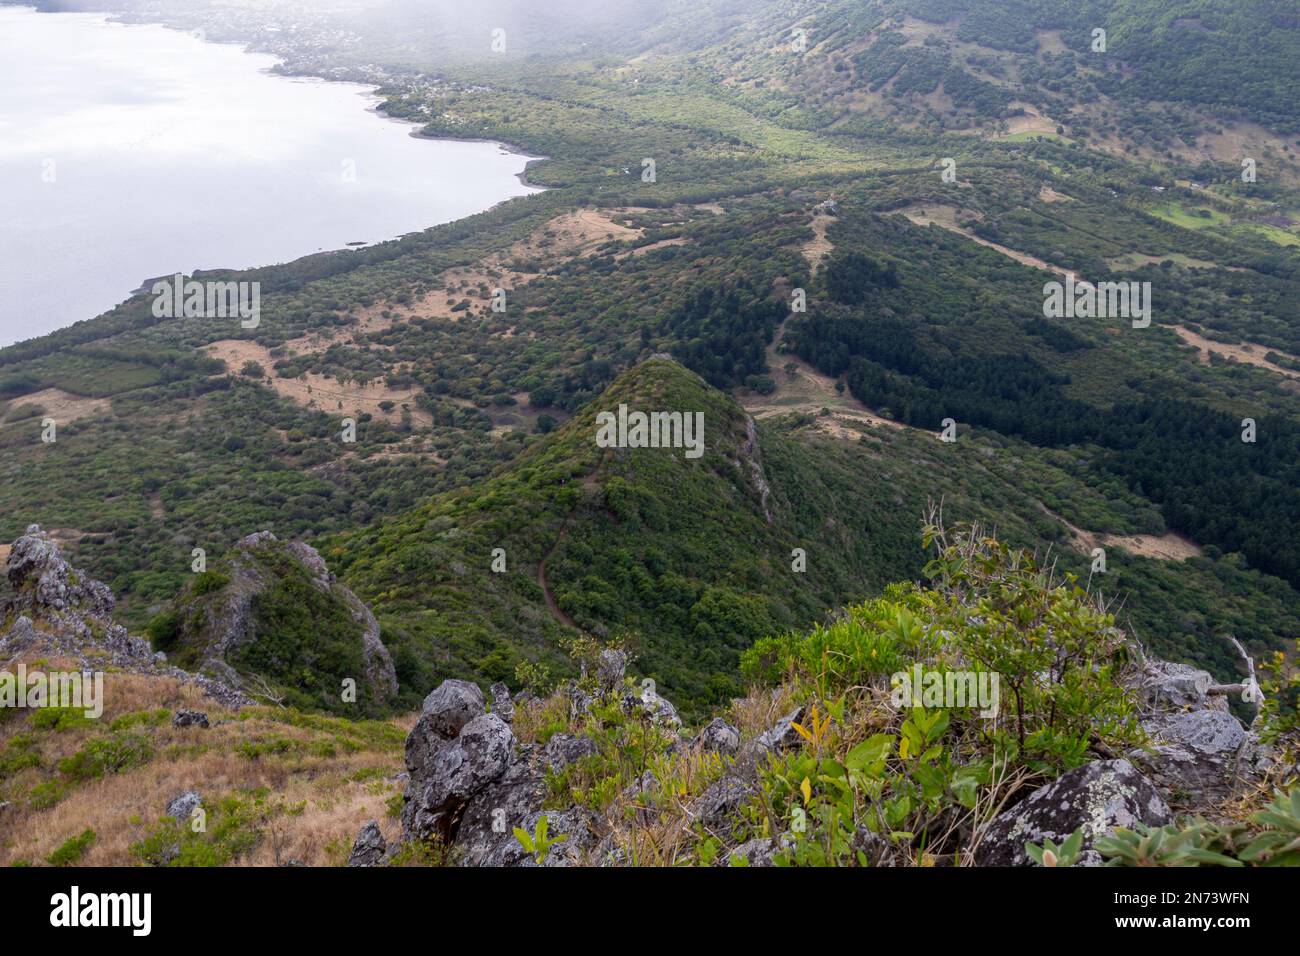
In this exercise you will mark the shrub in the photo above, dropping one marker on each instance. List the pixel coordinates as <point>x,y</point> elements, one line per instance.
<point>72,850</point>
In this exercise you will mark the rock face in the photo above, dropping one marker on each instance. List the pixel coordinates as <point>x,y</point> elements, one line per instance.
<point>44,581</point>
<point>471,783</point>
<point>454,751</point>
<point>1098,797</point>
<point>502,704</point>
<point>779,738</point>
<point>610,669</point>
<point>62,611</point>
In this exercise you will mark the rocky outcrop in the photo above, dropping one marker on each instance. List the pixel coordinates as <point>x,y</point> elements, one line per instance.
<point>471,784</point>
<point>369,847</point>
<point>45,583</point>
<point>502,703</point>
<point>450,771</point>
<point>219,629</point>
<point>182,807</point>
<point>1199,753</point>
<point>1098,797</point>
<point>59,610</point>
<point>718,737</point>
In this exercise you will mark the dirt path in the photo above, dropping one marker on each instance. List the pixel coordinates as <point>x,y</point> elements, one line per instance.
<point>1242,353</point>
<point>946,218</point>
<point>1164,547</point>
<point>816,249</point>
<point>808,391</point>
<point>551,604</point>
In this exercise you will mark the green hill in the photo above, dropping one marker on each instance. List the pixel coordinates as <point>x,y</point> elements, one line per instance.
<point>690,559</point>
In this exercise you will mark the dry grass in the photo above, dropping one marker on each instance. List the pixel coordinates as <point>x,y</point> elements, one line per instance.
<point>62,406</point>
<point>338,780</point>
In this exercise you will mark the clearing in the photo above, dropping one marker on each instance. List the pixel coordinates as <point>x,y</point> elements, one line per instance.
<point>1242,353</point>
<point>62,406</point>
<point>929,214</point>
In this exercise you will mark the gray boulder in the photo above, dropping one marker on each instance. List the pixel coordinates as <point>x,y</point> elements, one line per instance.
<point>1099,797</point>
<point>44,581</point>
<point>486,834</point>
<point>369,847</point>
<point>447,709</point>
<point>718,737</point>
<point>1165,686</point>
<point>610,668</point>
<point>1195,755</point>
<point>718,807</point>
<point>658,709</point>
<point>438,792</point>
<point>779,738</point>
<point>182,807</point>
<point>190,718</point>
<point>564,749</point>
<point>758,852</point>
<point>502,705</point>
<point>572,829</point>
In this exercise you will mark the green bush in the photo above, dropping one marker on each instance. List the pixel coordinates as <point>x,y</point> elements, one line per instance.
<point>113,754</point>
<point>72,850</point>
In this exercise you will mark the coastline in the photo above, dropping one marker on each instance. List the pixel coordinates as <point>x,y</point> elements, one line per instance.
<point>279,67</point>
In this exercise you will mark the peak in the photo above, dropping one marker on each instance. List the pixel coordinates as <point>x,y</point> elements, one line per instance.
<point>43,580</point>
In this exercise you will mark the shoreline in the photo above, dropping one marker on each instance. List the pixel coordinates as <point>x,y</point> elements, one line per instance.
<point>279,67</point>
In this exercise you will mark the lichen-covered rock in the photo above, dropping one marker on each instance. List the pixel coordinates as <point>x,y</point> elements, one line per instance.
<point>570,832</point>
<point>502,705</point>
<point>486,836</point>
<point>448,708</point>
<point>1164,686</point>
<point>610,668</point>
<point>43,581</point>
<point>564,749</point>
<point>182,807</point>
<point>780,737</point>
<point>438,792</point>
<point>758,852</point>
<point>658,709</point>
<point>1195,755</point>
<point>369,847</point>
<point>719,805</point>
<point>1099,797</point>
<point>189,718</point>
<point>717,737</point>
<point>21,636</point>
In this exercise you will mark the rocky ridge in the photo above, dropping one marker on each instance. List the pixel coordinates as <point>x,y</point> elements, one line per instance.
<point>471,782</point>
<point>64,612</point>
